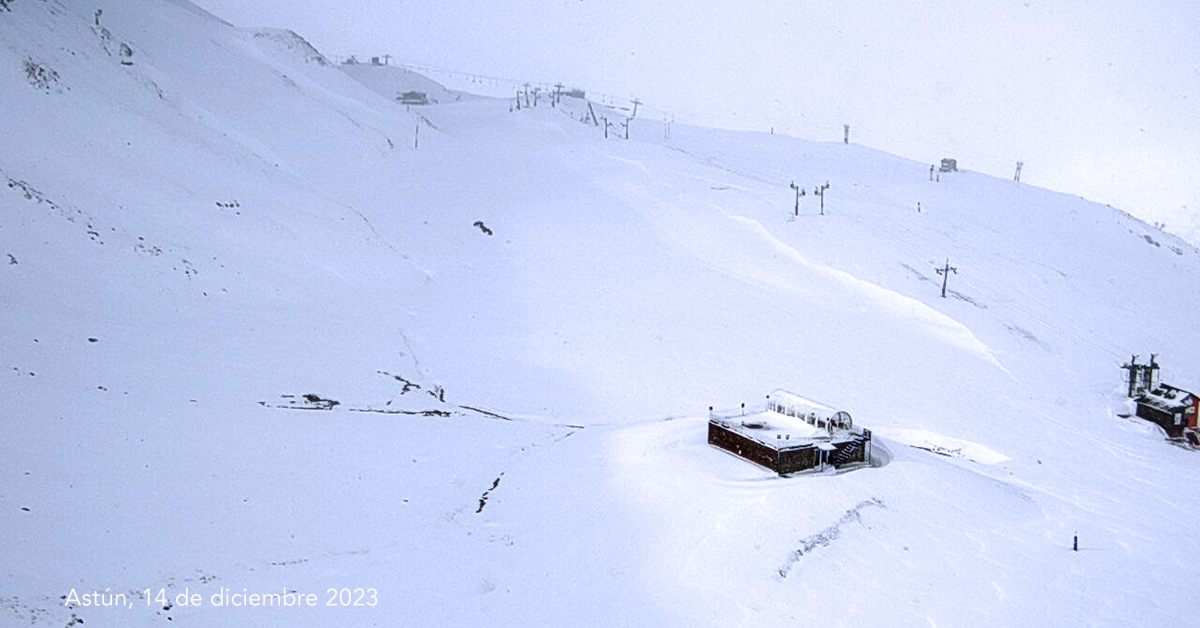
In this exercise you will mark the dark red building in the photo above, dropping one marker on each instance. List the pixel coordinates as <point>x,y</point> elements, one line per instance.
<point>1172,408</point>
<point>791,434</point>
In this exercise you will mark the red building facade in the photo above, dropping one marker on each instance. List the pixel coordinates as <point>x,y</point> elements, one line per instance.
<point>1174,409</point>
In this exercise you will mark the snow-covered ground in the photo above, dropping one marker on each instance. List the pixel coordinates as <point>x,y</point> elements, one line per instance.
<point>192,243</point>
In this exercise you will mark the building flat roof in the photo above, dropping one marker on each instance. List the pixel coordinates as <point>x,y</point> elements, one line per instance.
<point>780,432</point>
<point>1167,398</point>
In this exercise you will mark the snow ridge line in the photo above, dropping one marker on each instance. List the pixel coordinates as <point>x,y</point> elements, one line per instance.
<point>828,535</point>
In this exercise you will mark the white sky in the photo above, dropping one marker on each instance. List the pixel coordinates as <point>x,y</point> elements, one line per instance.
<point>1098,98</point>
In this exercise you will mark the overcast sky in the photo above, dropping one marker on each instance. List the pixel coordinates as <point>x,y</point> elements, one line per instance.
<point>1098,98</point>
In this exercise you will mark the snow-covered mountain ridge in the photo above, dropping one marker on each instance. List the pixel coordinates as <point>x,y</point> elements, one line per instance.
<point>196,236</point>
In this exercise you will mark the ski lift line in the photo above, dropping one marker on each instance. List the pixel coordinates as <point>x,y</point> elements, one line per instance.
<point>609,100</point>
<point>412,65</point>
<point>432,69</point>
<point>807,127</point>
<point>827,130</point>
<point>819,129</point>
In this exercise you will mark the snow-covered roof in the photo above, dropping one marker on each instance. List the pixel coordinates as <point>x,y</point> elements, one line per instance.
<point>769,427</point>
<point>1168,398</point>
<point>792,421</point>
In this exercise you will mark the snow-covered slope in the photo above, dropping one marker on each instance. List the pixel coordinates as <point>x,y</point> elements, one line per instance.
<point>198,246</point>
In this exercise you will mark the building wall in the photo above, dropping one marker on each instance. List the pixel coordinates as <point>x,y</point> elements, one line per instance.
<point>742,446</point>
<point>1165,419</point>
<point>799,459</point>
<point>784,461</point>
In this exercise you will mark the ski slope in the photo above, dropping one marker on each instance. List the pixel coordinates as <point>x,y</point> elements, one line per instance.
<point>192,243</point>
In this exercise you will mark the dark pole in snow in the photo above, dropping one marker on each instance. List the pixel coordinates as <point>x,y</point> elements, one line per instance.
<point>945,273</point>
<point>799,193</point>
<point>1075,545</point>
<point>821,192</point>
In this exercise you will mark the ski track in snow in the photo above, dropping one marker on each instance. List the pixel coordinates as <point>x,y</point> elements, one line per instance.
<point>827,536</point>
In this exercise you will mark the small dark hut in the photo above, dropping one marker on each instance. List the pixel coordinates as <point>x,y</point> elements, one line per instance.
<point>413,98</point>
<point>949,165</point>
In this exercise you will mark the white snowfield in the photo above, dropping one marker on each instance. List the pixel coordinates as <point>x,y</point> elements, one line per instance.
<point>256,349</point>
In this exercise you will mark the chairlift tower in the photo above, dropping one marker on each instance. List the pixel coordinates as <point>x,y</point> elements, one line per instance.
<point>799,192</point>
<point>945,273</point>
